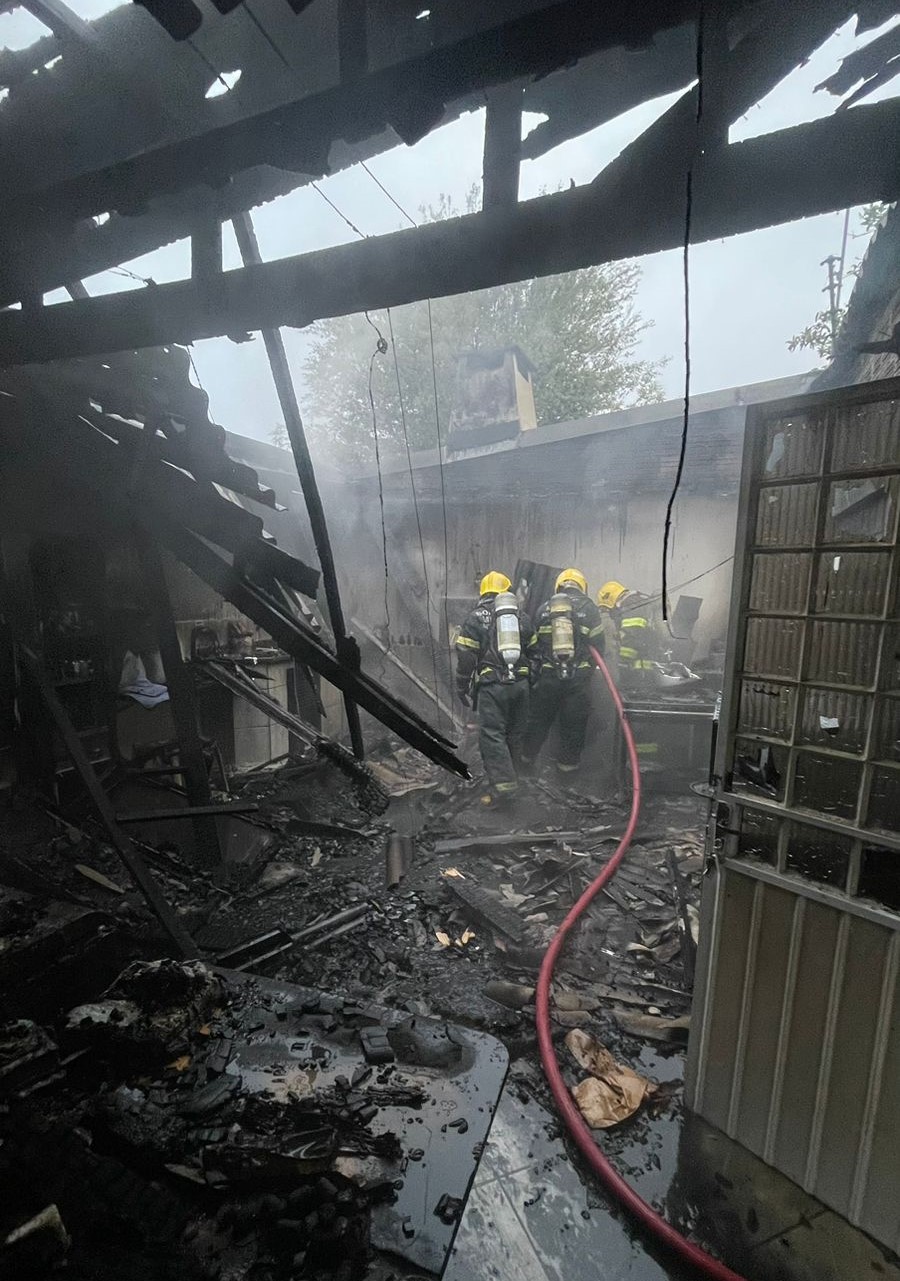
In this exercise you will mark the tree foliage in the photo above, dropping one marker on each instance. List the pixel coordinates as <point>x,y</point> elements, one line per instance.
<point>821,335</point>
<point>279,437</point>
<point>581,330</point>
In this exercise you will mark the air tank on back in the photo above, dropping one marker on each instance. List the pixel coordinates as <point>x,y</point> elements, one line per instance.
<point>509,640</point>
<point>562,633</point>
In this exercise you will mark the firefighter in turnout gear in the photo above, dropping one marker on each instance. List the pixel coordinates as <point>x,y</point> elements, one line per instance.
<point>639,651</point>
<point>494,649</point>
<point>567,625</point>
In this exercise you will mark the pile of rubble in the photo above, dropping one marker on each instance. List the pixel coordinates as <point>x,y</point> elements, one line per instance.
<point>296,1106</point>
<point>256,1130</point>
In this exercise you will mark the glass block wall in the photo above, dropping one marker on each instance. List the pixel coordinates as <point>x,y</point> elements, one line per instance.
<point>813,727</point>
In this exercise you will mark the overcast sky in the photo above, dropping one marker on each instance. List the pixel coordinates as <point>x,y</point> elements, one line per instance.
<point>749,294</point>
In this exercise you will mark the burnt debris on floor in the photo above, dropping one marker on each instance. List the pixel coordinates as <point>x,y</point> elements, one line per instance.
<point>312,1097</point>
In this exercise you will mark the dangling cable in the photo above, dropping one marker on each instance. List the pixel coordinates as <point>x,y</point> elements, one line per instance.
<point>415,498</point>
<point>380,350</point>
<point>688,217</point>
<point>437,422</point>
<point>440,454</point>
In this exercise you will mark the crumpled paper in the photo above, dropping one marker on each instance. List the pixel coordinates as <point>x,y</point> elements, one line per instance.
<point>612,1092</point>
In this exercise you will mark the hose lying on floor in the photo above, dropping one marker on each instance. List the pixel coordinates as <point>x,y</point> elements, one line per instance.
<point>702,1263</point>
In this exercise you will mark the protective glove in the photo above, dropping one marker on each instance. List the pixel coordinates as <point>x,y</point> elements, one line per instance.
<point>462,693</point>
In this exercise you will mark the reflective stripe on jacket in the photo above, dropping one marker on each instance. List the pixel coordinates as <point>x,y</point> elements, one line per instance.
<point>637,642</point>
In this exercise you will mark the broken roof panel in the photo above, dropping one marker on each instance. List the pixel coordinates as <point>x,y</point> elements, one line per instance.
<point>56,425</point>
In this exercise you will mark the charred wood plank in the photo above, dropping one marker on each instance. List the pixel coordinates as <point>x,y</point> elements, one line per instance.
<point>502,148</point>
<point>306,647</point>
<point>206,247</point>
<point>487,907</point>
<point>187,811</point>
<point>410,97</point>
<point>688,946</point>
<point>287,397</point>
<point>353,54</point>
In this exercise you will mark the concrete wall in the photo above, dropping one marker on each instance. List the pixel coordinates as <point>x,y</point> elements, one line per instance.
<point>621,541</point>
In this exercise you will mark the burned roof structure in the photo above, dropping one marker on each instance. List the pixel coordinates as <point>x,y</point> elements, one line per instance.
<point>164,120</point>
<point>131,436</point>
<point>869,310</point>
<point>336,82</point>
<point>182,1090</point>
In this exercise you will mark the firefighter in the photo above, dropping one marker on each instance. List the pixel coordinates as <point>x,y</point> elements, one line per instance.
<point>494,648</point>
<point>567,625</point>
<point>639,651</point>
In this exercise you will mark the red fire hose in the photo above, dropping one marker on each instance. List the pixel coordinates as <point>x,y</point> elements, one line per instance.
<point>698,1259</point>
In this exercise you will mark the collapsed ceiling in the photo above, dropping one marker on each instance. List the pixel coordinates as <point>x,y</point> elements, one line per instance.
<point>116,139</point>
<point>109,147</point>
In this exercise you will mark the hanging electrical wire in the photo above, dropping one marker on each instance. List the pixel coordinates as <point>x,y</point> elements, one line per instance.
<point>196,371</point>
<point>437,424</point>
<point>686,260</point>
<point>651,600</point>
<point>132,275</point>
<point>340,213</point>
<point>440,457</point>
<point>412,484</point>
<point>396,203</point>
<point>380,350</point>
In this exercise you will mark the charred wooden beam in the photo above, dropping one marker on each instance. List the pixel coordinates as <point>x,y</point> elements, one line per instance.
<point>353,53</point>
<point>73,31</point>
<point>848,159</point>
<point>123,845</point>
<point>180,682</point>
<point>206,247</point>
<point>45,255</point>
<point>188,811</point>
<point>207,563</point>
<point>502,148</point>
<point>287,398</point>
<point>63,22</point>
<point>409,97</point>
<point>783,38</point>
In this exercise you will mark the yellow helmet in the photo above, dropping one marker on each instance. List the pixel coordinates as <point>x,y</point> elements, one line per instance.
<point>610,594</point>
<point>573,576</point>
<point>494,582</point>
